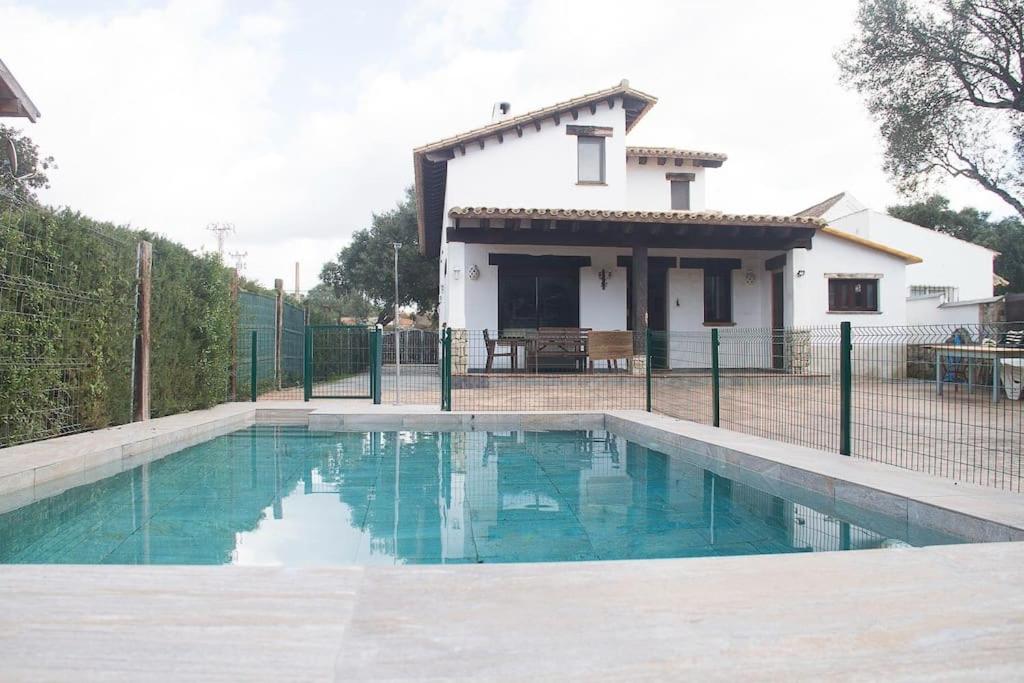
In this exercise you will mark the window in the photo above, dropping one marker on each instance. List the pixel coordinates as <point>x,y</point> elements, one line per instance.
<point>717,296</point>
<point>848,294</point>
<point>538,297</point>
<point>680,195</point>
<point>590,156</point>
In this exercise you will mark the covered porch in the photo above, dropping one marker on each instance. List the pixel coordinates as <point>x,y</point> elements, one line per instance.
<point>526,280</point>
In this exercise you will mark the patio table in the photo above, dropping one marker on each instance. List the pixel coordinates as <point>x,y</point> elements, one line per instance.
<point>557,344</point>
<point>974,351</point>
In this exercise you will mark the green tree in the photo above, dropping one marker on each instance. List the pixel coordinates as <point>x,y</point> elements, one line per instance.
<point>327,308</point>
<point>944,79</point>
<point>20,187</point>
<point>365,267</point>
<point>1005,235</point>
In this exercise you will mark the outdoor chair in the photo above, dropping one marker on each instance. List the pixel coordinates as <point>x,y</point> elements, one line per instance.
<point>492,345</point>
<point>610,347</point>
<point>957,367</point>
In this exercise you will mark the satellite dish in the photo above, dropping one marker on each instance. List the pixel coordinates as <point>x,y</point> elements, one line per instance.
<point>11,155</point>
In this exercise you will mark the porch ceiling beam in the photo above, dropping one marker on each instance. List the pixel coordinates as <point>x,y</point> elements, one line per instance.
<point>545,235</point>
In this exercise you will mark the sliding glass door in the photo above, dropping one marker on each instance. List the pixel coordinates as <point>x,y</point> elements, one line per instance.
<point>538,297</point>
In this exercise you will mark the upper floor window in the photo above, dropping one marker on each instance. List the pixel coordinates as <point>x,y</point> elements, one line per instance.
<point>852,294</point>
<point>680,195</point>
<point>590,158</point>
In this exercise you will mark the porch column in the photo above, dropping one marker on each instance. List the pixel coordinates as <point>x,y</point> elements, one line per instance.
<point>639,272</point>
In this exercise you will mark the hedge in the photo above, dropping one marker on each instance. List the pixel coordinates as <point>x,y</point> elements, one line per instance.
<point>67,325</point>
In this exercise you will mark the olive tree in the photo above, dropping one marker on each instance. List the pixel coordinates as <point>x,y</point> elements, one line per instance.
<point>944,79</point>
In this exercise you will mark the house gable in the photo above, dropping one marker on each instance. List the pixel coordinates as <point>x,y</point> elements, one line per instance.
<point>431,161</point>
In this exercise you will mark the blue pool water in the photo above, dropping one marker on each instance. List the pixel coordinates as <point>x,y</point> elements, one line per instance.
<point>285,495</point>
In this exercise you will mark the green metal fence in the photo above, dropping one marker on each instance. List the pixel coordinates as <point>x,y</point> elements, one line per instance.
<point>256,353</point>
<point>339,364</point>
<point>937,399</point>
<point>67,325</point>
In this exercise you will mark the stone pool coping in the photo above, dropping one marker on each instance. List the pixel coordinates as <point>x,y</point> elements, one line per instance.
<point>936,613</point>
<point>835,483</point>
<point>859,615</point>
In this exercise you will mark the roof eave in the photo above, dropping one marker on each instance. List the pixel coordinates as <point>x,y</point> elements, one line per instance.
<point>25,107</point>
<point>910,259</point>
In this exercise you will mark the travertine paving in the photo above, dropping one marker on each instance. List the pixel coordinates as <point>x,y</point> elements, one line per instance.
<point>863,615</point>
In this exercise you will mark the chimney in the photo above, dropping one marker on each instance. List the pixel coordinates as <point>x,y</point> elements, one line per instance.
<point>500,110</point>
<point>297,290</point>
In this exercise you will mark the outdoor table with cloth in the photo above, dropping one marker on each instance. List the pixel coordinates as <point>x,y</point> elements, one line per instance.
<point>992,353</point>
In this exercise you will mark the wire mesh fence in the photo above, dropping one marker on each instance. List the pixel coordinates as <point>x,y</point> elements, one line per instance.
<point>554,369</point>
<point>67,311</point>
<point>257,323</point>
<point>938,399</point>
<point>941,399</point>
<point>339,362</point>
<point>417,379</point>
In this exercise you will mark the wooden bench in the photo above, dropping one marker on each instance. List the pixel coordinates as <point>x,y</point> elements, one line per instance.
<point>610,346</point>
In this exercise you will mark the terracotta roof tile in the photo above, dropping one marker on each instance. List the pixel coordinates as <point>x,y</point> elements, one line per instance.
<point>674,153</point>
<point>821,208</point>
<point>626,216</point>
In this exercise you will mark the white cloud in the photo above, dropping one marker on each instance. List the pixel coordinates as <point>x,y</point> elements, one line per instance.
<point>174,117</point>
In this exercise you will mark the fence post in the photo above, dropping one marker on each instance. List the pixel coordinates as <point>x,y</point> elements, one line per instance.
<point>376,364</point>
<point>647,366</point>
<point>141,379</point>
<point>716,397</point>
<point>252,369</point>
<point>845,386</point>
<point>307,365</point>
<point>278,330</point>
<point>233,379</point>
<point>446,370</point>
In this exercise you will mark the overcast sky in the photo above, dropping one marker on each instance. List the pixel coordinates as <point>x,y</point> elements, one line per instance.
<point>295,120</point>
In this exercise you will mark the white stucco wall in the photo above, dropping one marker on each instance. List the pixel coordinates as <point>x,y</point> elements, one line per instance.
<point>947,261</point>
<point>648,190</point>
<point>540,168</point>
<point>832,254</point>
<point>929,311</point>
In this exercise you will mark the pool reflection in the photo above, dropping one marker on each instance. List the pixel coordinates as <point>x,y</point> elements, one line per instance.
<point>284,495</point>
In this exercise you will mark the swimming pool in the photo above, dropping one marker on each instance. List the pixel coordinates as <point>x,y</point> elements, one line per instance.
<point>290,496</point>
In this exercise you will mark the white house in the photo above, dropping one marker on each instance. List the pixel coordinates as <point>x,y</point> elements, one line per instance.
<point>549,219</point>
<point>951,282</point>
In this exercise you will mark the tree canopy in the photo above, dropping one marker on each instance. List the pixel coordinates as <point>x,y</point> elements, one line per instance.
<point>365,267</point>
<point>944,79</point>
<point>327,308</point>
<point>31,175</point>
<point>1005,236</point>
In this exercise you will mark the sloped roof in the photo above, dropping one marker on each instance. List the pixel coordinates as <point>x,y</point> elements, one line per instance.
<point>680,217</point>
<point>710,158</point>
<point>638,104</point>
<point>13,99</point>
<point>871,244</point>
<point>430,161</point>
<point>821,208</point>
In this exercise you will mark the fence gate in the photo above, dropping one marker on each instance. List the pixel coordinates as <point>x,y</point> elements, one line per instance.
<point>340,361</point>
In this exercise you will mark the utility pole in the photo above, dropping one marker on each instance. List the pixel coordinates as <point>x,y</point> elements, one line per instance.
<point>239,257</point>
<point>221,230</point>
<point>398,331</point>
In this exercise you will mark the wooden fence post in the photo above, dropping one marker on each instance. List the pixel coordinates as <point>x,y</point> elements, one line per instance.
<point>278,330</point>
<point>141,379</point>
<point>233,379</point>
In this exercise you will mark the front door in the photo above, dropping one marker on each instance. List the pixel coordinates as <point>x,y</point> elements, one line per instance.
<point>778,321</point>
<point>657,312</point>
